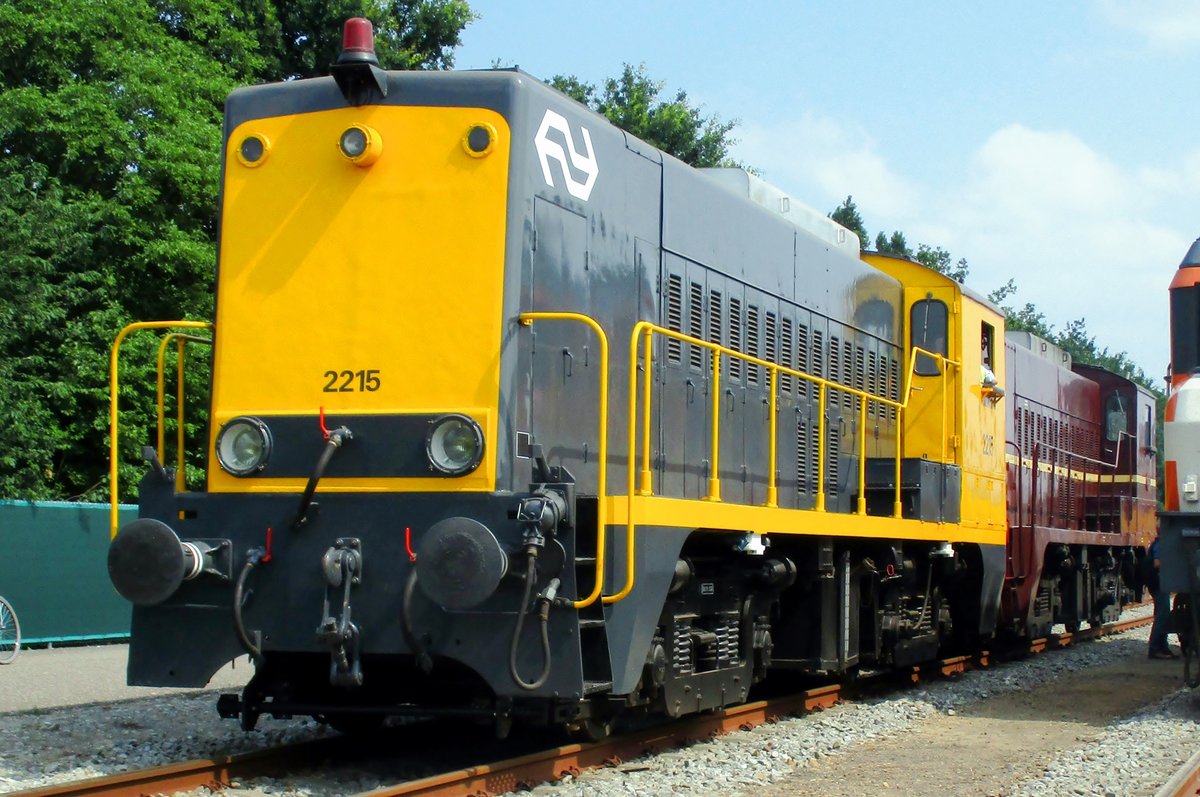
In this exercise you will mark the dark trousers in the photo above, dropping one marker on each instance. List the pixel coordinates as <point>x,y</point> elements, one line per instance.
<point>1162,613</point>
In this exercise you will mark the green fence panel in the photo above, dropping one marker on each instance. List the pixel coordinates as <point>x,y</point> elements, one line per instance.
<point>54,571</point>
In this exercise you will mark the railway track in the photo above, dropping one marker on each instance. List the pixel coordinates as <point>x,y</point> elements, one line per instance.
<point>215,774</point>
<point>1185,782</point>
<point>554,763</point>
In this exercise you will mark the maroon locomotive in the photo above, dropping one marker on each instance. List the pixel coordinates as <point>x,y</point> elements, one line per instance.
<point>1081,488</point>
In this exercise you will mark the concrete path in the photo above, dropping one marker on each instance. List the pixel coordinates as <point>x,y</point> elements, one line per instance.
<point>76,675</point>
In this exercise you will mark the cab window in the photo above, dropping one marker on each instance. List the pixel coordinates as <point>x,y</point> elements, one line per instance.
<point>1115,418</point>
<point>930,320</point>
<point>987,370</point>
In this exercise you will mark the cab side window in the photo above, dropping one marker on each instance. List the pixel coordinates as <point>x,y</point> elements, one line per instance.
<point>1115,418</point>
<point>987,368</point>
<point>930,322</point>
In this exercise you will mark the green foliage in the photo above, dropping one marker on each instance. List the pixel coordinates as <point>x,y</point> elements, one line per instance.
<point>940,261</point>
<point>847,215</point>
<point>896,245</point>
<point>632,102</point>
<point>1075,339</point>
<point>110,134</point>
<point>303,38</point>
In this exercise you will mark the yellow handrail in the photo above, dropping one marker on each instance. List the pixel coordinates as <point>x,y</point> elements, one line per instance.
<point>113,362</point>
<point>180,339</point>
<point>714,474</point>
<point>602,475</point>
<point>645,330</point>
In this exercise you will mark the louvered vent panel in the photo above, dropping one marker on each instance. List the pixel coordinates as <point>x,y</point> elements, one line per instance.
<point>873,383</point>
<point>753,344</point>
<point>802,360</point>
<point>770,347</point>
<point>674,316</point>
<point>893,385</point>
<point>818,357</point>
<point>860,376</point>
<point>696,324</point>
<point>714,317</point>
<point>847,371</point>
<point>803,474</point>
<point>735,337</point>
<point>786,353</point>
<point>833,444</point>
<point>832,397</point>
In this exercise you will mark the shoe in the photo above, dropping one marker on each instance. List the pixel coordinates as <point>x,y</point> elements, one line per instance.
<point>1162,654</point>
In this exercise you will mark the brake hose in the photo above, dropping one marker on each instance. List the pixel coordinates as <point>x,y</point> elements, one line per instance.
<point>543,615</point>
<point>253,558</point>
<point>424,661</point>
<point>333,441</point>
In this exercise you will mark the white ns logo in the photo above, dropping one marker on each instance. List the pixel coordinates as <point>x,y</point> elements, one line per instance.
<point>551,150</point>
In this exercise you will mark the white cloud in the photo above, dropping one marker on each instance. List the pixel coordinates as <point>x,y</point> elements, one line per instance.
<point>1082,236</point>
<point>830,159</point>
<point>1079,234</point>
<point>1041,175</point>
<point>1172,25</point>
<point>1177,179</point>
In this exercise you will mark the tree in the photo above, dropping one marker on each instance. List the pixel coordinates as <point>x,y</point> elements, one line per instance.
<point>847,215</point>
<point>939,260</point>
<point>305,37</point>
<point>632,102</point>
<point>896,245</point>
<point>1075,339</point>
<point>110,134</point>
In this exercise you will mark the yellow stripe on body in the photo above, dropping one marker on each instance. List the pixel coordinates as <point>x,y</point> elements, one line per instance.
<point>1078,475</point>
<point>687,513</point>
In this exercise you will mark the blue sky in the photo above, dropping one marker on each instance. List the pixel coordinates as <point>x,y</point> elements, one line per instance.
<point>1054,143</point>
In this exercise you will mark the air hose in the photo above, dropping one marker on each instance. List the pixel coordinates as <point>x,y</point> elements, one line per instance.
<point>253,558</point>
<point>544,601</point>
<point>333,441</point>
<point>424,661</point>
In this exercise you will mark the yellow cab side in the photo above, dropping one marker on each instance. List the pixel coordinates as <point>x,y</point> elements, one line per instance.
<point>956,408</point>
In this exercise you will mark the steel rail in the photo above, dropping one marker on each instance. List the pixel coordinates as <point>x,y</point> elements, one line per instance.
<point>214,774</point>
<point>572,759</point>
<point>1185,782</point>
<point>527,771</point>
<point>548,765</point>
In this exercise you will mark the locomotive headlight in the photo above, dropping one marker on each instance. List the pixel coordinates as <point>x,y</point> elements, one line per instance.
<point>361,145</point>
<point>243,446</point>
<point>454,445</point>
<point>253,150</point>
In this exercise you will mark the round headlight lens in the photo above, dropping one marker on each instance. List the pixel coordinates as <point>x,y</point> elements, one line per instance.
<point>454,445</point>
<point>253,150</point>
<point>360,144</point>
<point>243,446</point>
<point>353,142</point>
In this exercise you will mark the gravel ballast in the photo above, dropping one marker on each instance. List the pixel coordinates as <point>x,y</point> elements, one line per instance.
<point>1133,754</point>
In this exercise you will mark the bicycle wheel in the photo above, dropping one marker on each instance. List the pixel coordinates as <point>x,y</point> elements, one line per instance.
<point>10,633</point>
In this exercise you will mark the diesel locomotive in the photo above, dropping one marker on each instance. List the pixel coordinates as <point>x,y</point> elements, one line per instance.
<point>1179,543</point>
<point>515,417</point>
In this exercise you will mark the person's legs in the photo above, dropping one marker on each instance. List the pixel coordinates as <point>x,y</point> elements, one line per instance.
<point>1158,633</point>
